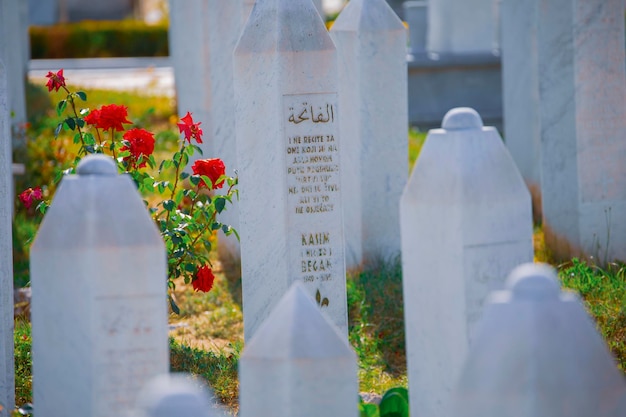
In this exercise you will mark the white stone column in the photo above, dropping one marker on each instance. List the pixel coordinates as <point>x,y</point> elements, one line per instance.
<point>583,125</point>
<point>463,27</point>
<point>202,37</point>
<point>289,148</point>
<point>371,42</point>
<point>520,85</point>
<point>466,221</point>
<point>15,54</point>
<point>298,364</point>
<point>7,372</point>
<point>99,303</point>
<point>538,353</point>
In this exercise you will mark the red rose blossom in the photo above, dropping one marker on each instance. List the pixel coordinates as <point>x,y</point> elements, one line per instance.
<point>108,117</point>
<point>30,195</point>
<point>212,168</point>
<point>55,81</point>
<point>190,129</point>
<point>140,143</point>
<point>204,279</point>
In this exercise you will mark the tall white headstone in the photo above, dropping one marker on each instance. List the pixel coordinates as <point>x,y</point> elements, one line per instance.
<point>99,306</point>
<point>248,4</point>
<point>289,148</point>
<point>537,353</point>
<point>202,37</point>
<point>15,54</point>
<point>463,27</point>
<point>520,85</point>
<point>173,395</point>
<point>7,372</point>
<point>373,97</point>
<point>466,221</point>
<point>298,364</point>
<point>583,124</point>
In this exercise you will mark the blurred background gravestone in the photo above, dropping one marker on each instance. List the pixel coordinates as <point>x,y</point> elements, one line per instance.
<point>538,353</point>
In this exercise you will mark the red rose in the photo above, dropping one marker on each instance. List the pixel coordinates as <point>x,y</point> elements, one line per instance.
<point>140,143</point>
<point>55,81</point>
<point>212,168</point>
<point>190,129</point>
<point>30,195</point>
<point>204,279</point>
<point>108,117</point>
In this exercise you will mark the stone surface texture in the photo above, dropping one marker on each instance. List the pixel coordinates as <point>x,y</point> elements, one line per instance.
<point>311,366</point>
<point>520,84</point>
<point>7,378</point>
<point>466,222</point>
<point>470,26</point>
<point>289,158</point>
<point>173,395</point>
<point>202,37</point>
<point>373,98</point>
<point>583,124</point>
<point>99,306</point>
<point>543,337</point>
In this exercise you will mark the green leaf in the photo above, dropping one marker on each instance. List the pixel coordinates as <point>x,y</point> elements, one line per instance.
<point>169,205</point>
<point>226,229</point>
<point>70,122</point>
<point>195,179</point>
<point>399,390</point>
<point>58,130</point>
<point>80,122</point>
<point>220,203</point>
<point>82,95</point>
<point>61,107</point>
<point>368,410</point>
<point>184,175</point>
<point>393,404</point>
<point>173,305</point>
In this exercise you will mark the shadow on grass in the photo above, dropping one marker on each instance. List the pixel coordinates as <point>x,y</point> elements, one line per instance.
<point>231,267</point>
<point>377,316</point>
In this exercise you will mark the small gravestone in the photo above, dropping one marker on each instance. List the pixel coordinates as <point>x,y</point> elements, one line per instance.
<point>466,27</point>
<point>466,221</point>
<point>520,84</point>
<point>202,37</point>
<point>99,305</point>
<point>583,123</point>
<point>298,364</point>
<point>371,41</point>
<point>173,395</point>
<point>7,373</point>
<point>538,353</point>
<point>288,149</point>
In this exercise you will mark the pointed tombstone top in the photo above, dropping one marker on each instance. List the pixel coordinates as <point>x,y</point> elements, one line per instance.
<point>296,328</point>
<point>367,16</point>
<point>284,26</point>
<point>462,118</point>
<point>174,395</point>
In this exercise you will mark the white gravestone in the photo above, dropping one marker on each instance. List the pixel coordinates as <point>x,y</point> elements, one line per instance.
<point>298,364</point>
<point>99,305</point>
<point>7,372</point>
<point>289,157</point>
<point>248,4</point>
<point>520,84</point>
<point>174,395</point>
<point>373,97</point>
<point>583,124</point>
<point>15,54</point>
<point>202,37</point>
<point>466,221</point>
<point>463,27</point>
<point>538,353</point>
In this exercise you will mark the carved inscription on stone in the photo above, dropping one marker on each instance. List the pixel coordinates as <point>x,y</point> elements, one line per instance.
<point>315,235</point>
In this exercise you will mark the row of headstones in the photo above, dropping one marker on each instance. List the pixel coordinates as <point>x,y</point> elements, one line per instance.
<point>534,349</point>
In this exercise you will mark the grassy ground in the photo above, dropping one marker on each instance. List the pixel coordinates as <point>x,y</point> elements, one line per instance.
<point>207,337</point>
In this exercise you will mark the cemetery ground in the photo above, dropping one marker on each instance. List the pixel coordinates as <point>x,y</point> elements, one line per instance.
<point>206,339</point>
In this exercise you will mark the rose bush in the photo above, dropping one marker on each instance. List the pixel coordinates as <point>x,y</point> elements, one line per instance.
<point>183,204</point>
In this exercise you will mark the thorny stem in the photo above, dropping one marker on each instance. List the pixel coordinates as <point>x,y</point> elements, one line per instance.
<point>180,159</point>
<point>80,131</point>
